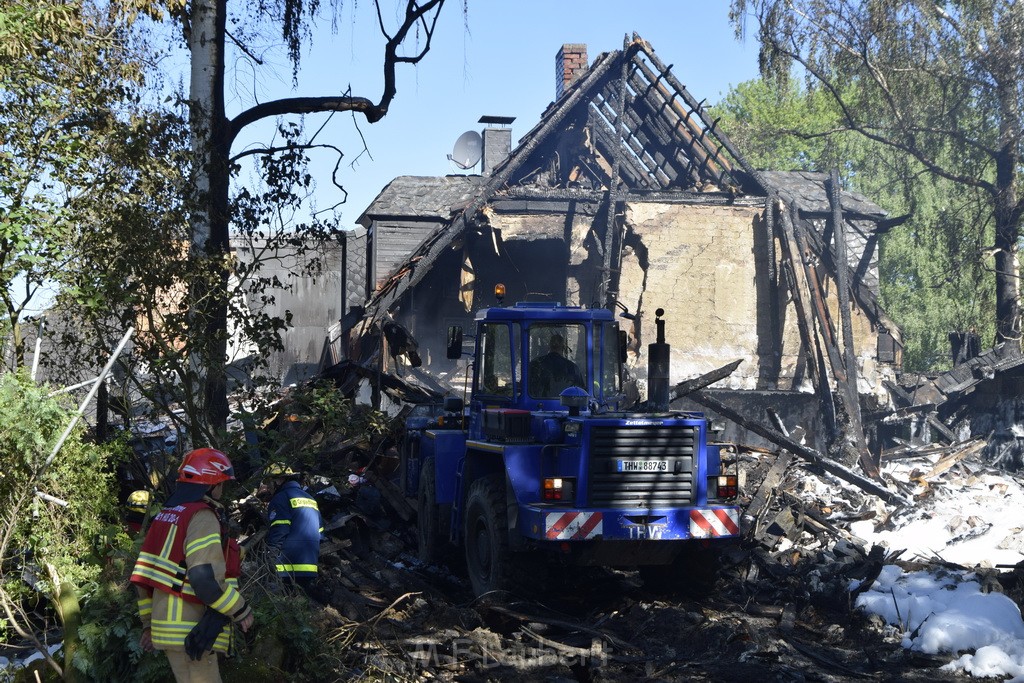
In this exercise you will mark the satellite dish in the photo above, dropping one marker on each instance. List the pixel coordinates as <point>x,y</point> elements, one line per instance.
<point>468,150</point>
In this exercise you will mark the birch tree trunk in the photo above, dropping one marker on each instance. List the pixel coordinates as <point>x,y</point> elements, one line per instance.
<point>208,328</point>
<point>212,135</point>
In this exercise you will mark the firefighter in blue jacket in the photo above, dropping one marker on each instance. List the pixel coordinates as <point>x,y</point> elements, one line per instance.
<point>295,527</point>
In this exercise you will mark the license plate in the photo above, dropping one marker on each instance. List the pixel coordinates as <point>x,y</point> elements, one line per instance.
<point>643,465</point>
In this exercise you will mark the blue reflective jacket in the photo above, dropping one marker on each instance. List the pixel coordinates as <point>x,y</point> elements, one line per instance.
<point>295,528</point>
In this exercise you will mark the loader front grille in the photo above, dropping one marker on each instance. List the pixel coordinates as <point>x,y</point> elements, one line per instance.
<point>610,487</point>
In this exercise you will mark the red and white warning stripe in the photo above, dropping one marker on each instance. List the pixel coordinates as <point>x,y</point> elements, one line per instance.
<point>711,523</point>
<point>572,526</point>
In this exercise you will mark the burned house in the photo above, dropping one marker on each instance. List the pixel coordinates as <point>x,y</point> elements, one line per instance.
<point>625,195</point>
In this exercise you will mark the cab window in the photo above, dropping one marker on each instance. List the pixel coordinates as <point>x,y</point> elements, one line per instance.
<point>611,375</point>
<point>558,358</point>
<point>495,376</point>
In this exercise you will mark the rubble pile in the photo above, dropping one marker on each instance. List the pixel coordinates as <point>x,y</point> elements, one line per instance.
<point>783,606</point>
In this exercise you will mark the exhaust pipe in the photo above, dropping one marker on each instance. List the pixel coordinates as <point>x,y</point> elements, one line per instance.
<point>658,362</point>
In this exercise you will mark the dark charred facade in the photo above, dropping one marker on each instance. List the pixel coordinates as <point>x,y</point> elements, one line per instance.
<point>625,194</point>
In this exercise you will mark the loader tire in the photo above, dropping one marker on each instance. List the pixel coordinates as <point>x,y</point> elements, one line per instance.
<point>432,520</point>
<point>488,560</point>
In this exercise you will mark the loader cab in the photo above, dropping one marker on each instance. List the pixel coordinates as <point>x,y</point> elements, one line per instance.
<point>528,354</point>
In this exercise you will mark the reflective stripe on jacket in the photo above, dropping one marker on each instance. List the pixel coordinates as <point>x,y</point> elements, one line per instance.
<point>161,562</point>
<point>186,535</point>
<point>295,528</point>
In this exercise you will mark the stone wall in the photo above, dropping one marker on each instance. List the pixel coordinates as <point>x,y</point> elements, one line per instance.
<point>700,265</point>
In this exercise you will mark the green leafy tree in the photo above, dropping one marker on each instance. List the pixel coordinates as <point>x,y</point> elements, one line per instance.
<point>782,126</point>
<point>931,279</point>
<point>135,270</point>
<point>99,220</point>
<point>69,74</point>
<point>937,83</point>
<point>124,208</point>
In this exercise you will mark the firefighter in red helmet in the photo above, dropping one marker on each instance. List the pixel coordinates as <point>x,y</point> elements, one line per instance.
<point>187,572</point>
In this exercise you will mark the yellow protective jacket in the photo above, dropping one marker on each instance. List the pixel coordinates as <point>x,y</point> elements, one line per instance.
<point>181,537</point>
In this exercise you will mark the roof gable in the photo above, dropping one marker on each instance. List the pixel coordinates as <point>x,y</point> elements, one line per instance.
<point>629,100</point>
<point>694,155</point>
<point>664,142</point>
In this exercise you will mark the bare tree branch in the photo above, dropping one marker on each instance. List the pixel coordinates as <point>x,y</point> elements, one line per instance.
<point>243,47</point>
<point>895,142</point>
<point>416,13</point>
<point>284,148</point>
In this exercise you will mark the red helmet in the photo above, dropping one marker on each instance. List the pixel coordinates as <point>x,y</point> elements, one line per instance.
<point>205,466</point>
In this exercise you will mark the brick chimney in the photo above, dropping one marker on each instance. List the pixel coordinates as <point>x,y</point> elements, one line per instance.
<point>570,63</point>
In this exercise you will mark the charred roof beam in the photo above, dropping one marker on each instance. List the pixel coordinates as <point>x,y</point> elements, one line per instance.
<point>694,105</point>
<point>602,106</point>
<point>606,144</point>
<point>864,296</point>
<point>648,130</point>
<point>685,156</point>
<point>639,148</point>
<point>661,103</point>
<point>432,247</point>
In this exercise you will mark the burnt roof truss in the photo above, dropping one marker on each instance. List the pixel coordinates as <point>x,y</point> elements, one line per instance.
<point>641,120</point>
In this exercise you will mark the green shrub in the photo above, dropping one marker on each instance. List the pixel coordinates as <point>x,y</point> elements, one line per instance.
<point>110,632</point>
<point>55,520</point>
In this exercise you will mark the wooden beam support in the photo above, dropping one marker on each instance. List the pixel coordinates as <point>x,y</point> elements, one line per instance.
<point>864,296</point>
<point>647,130</point>
<point>775,344</point>
<point>647,134</point>
<point>702,115</point>
<point>800,450</point>
<point>945,432</point>
<point>697,383</point>
<point>792,256</point>
<point>684,127</point>
<point>855,427</point>
<point>820,308</point>
<point>608,290</point>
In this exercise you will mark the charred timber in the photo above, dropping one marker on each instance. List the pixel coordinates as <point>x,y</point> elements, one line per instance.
<point>439,240</point>
<point>808,454</point>
<point>658,100</point>
<point>707,379</point>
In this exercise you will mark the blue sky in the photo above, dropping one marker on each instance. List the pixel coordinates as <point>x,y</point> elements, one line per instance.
<point>496,59</point>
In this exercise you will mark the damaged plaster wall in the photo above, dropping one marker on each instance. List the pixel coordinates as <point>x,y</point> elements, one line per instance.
<point>699,264</point>
<point>708,267</point>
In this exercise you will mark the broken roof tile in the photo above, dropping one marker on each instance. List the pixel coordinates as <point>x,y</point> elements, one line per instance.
<point>423,197</point>
<point>807,190</point>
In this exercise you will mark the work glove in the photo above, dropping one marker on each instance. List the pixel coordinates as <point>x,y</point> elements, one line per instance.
<point>204,634</point>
